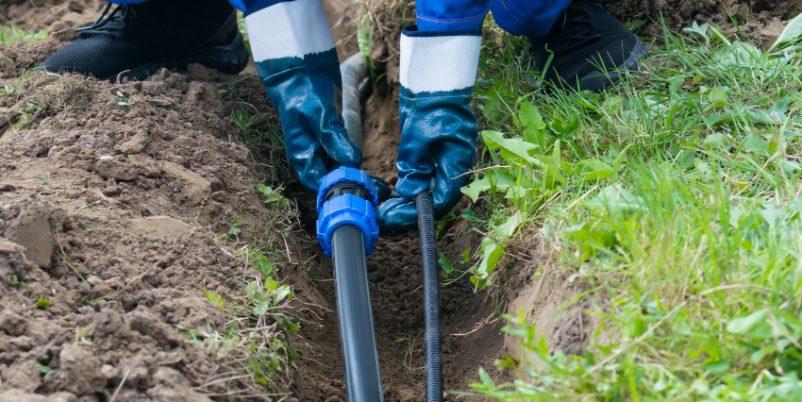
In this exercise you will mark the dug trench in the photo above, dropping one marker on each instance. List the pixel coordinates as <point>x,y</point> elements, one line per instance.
<point>531,281</point>
<point>127,212</point>
<point>124,212</point>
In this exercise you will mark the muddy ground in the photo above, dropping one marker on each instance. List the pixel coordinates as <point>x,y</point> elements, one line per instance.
<point>114,204</point>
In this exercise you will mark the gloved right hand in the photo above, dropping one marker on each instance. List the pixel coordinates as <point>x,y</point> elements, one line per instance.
<point>297,62</point>
<point>438,125</point>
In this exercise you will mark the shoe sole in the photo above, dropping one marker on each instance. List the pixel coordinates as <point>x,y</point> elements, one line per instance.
<point>600,80</point>
<point>228,59</point>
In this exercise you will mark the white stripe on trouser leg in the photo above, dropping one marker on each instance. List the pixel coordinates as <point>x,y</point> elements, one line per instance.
<point>289,29</point>
<point>439,63</point>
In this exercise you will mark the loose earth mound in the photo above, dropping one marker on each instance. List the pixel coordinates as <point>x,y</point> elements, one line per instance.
<point>110,198</point>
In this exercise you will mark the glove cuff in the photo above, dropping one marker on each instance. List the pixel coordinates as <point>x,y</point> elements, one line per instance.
<point>434,62</point>
<point>289,34</point>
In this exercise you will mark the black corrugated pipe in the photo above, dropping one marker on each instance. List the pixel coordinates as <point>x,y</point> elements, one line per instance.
<point>431,297</point>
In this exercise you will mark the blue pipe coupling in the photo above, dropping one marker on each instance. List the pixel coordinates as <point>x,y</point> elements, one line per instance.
<point>347,196</point>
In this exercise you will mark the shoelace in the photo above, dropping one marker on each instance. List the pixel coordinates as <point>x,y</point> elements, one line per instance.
<point>109,21</point>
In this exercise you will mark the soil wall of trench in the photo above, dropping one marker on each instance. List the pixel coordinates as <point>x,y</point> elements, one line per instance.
<point>113,199</point>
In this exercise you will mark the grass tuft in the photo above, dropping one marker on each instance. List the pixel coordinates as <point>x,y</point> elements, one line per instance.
<point>255,349</point>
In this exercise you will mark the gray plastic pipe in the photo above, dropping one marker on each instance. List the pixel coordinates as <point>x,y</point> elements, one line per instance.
<point>362,375</point>
<point>353,71</point>
<point>363,380</point>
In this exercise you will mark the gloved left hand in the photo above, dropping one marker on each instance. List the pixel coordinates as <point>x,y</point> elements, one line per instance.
<point>438,125</point>
<point>296,60</point>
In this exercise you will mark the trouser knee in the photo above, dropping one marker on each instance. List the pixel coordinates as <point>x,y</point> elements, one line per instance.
<point>527,17</point>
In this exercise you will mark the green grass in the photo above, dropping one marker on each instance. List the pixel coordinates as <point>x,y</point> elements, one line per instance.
<point>675,197</point>
<point>261,134</point>
<point>13,34</point>
<point>257,342</point>
<point>258,335</point>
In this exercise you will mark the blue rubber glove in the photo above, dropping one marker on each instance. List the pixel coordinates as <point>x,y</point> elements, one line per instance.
<point>296,60</point>
<point>438,125</point>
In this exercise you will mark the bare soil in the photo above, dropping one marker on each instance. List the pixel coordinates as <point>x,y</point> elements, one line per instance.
<point>110,198</point>
<point>760,21</point>
<point>57,17</point>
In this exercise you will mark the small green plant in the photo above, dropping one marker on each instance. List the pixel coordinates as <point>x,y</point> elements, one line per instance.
<point>259,338</point>
<point>43,303</point>
<point>93,228</point>
<point>261,134</point>
<point>491,249</point>
<point>30,113</point>
<point>254,128</point>
<point>43,368</point>
<point>264,329</point>
<point>80,333</point>
<point>10,90</point>
<point>233,231</point>
<point>266,296</point>
<point>214,298</point>
<point>446,265</point>
<point>13,34</point>
<point>273,196</point>
<point>46,177</point>
<point>262,263</point>
<point>278,224</point>
<point>122,99</point>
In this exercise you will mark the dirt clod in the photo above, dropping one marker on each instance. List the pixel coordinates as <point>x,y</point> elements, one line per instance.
<point>79,371</point>
<point>161,226</point>
<point>29,227</point>
<point>135,145</point>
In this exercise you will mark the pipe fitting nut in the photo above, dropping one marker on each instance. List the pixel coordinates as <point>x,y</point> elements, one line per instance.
<point>336,209</point>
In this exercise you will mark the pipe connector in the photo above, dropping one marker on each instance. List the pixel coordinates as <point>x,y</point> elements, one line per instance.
<point>347,196</point>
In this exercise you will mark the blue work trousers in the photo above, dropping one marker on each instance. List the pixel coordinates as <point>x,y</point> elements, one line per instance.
<point>518,17</point>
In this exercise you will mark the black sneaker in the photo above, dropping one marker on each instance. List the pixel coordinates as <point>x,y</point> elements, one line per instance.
<point>590,48</point>
<point>135,41</point>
